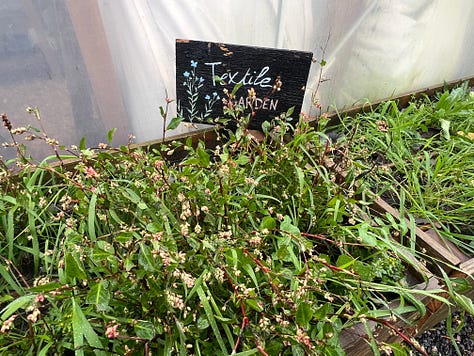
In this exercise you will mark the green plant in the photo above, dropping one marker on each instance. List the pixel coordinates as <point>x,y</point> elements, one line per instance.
<point>252,247</point>
<point>421,159</point>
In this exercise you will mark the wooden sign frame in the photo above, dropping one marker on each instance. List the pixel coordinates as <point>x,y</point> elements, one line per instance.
<point>268,81</point>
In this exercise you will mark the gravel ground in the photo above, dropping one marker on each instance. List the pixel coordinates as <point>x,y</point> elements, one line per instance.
<point>436,341</point>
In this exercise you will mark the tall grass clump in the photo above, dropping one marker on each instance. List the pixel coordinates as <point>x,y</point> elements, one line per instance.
<point>421,159</point>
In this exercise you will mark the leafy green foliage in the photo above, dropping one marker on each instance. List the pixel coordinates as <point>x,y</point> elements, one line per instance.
<point>421,159</point>
<point>249,247</point>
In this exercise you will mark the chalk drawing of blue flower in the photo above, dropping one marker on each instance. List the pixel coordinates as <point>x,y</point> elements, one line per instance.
<point>193,85</point>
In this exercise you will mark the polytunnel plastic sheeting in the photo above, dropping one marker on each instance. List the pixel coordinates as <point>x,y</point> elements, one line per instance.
<point>148,29</point>
<point>373,48</point>
<point>43,64</point>
<point>92,65</point>
<point>400,46</point>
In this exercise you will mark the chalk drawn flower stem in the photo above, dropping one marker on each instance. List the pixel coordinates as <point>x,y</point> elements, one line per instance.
<point>193,83</point>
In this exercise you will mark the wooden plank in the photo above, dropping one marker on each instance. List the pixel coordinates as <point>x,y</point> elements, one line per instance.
<point>431,246</point>
<point>402,100</point>
<point>424,242</point>
<point>354,340</point>
<point>450,246</point>
<point>468,267</point>
<point>467,272</point>
<point>437,311</point>
<point>207,135</point>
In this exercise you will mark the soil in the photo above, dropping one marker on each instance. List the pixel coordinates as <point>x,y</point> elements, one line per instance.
<point>437,342</point>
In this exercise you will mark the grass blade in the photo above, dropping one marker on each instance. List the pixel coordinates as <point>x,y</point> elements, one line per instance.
<point>91,217</point>
<point>32,217</point>
<point>8,278</point>
<point>10,233</point>
<point>212,320</point>
<point>18,303</point>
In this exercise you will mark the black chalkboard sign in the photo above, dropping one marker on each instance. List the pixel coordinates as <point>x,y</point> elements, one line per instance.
<point>269,81</point>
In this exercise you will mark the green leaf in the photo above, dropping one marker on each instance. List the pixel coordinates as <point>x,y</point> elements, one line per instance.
<point>82,329</point>
<point>290,111</point>
<point>131,195</point>
<point>99,255</point>
<point>247,353</point>
<point>174,123</point>
<point>252,303</point>
<point>74,268</point>
<point>399,350</point>
<point>45,287</point>
<point>82,144</point>
<point>236,88</point>
<point>144,329</point>
<point>445,125</point>
<point>110,135</point>
<point>19,303</point>
<point>145,258</point>
<point>464,302</point>
<point>9,199</point>
<point>182,338</point>
<point>44,350</point>
<point>248,268</point>
<point>415,302</point>
<point>322,311</point>
<point>268,223</point>
<point>123,236</point>
<point>5,298</point>
<point>154,227</point>
<point>99,296</point>
<point>142,206</point>
<point>242,160</point>
<point>91,217</point>
<point>212,320</point>
<point>32,221</point>
<point>223,320</point>
<point>197,285</point>
<point>365,235</point>
<point>287,226</point>
<point>204,158</point>
<point>129,264</point>
<point>344,261</point>
<point>461,285</point>
<point>8,278</point>
<point>202,322</point>
<point>283,254</point>
<point>304,314</point>
<point>10,234</point>
<point>266,127</point>
<point>191,161</point>
<point>365,271</point>
<point>297,350</point>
